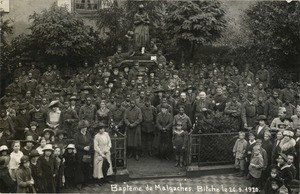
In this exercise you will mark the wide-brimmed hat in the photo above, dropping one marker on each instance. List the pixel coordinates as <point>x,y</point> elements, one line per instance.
<point>288,118</point>
<point>83,124</point>
<point>281,125</point>
<point>261,117</point>
<point>54,103</point>
<point>284,157</point>
<point>34,153</point>
<point>70,146</point>
<point>288,133</point>
<point>59,132</point>
<point>48,130</point>
<point>3,148</point>
<point>100,125</point>
<point>48,147</point>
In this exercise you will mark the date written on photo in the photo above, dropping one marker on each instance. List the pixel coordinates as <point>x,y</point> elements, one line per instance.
<point>125,188</point>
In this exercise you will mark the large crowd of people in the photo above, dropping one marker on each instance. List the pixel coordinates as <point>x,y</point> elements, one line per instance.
<point>56,132</point>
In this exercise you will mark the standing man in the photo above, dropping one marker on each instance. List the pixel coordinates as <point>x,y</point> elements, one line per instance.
<point>88,111</point>
<point>263,75</point>
<point>249,111</point>
<point>133,118</point>
<point>164,123</point>
<point>272,106</point>
<point>148,126</point>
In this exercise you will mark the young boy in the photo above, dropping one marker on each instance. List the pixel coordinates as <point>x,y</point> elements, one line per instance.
<point>179,142</point>
<point>239,151</point>
<point>249,148</point>
<point>256,166</point>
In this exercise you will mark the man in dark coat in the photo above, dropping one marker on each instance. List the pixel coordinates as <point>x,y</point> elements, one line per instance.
<point>219,100</point>
<point>117,116</point>
<point>249,111</point>
<point>233,109</point>
<point>148,126</point>
<point>70,118</point>
<point>6,122</point>
<point>88,111</point>
<point>271,107</point>
<point>7,185</point>
<point>38,115</point>
<point>132,119</point>
<point>263,75</point>
<point>164,123</point>
<point>22,122</point>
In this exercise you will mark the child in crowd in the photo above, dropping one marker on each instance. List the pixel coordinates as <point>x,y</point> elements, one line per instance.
<point>248,153</point>
<point>274,182</point>
<point>59,168</point>
<point>4,154</point>
<point>25,181</point>
<point>48,134</point>
<point>7,185</point>
<point>28,146</point>
<point>42,145</point>
<point>179,142</point>
<point>15,158</point>
<point>256,166</point>
<point>239,150</point>
<point>33,130</point>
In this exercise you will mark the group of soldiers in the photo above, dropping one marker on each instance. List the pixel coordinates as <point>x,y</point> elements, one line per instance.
<point>128,98</point>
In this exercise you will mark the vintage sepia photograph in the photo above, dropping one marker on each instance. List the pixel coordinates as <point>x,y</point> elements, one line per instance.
<point>150,96</point>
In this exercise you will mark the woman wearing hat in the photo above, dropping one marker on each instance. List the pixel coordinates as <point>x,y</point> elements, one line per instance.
<point>102,145</point>
<point>83,143</point>
<point>286,173</point>
<point>103,113</point>
<point>4,154</point>
<point>25,181</point>
<point>72,173</point>
<point>287,144</point>
<point>261,128</point>
<point>7,185</point>
<point>29,144</point>
<point>33,157</point>
<point>48,134</point>
<point>60,140</point>
<point>54,115</point>
<point>46,170</point>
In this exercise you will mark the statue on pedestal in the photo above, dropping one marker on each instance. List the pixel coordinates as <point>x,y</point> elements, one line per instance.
<point>141,28</point>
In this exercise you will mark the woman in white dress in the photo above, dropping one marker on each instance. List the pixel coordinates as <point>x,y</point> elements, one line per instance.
<point>102,145</point>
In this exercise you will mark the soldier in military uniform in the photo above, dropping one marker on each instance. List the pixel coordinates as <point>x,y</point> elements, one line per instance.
<point>88,111</point>
<point>21,122</point>
<point>233,109</point>
<point>132,119</point>
<point>249,112</point>
<point>263,75</point>
<point>117,116</point>
<point>148,126</point>
<point>70,119</point>
<point>6,123</point>
<point>39,116</point>
<point>272,105</point>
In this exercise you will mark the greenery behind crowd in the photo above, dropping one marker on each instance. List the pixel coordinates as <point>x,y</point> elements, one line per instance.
<point>189,31</point>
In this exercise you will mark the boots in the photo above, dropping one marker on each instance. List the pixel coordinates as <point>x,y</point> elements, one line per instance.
<point>181,159</point>
<point>137,158</point>
<point>177,161</point>
<point>241,173</point>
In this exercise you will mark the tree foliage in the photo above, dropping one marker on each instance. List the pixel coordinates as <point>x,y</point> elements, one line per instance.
<point>57,36</point>
<point>195,22</point>
<point>275,29</point>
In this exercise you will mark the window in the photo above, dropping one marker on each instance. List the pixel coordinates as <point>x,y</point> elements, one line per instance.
<point>88,5</point>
